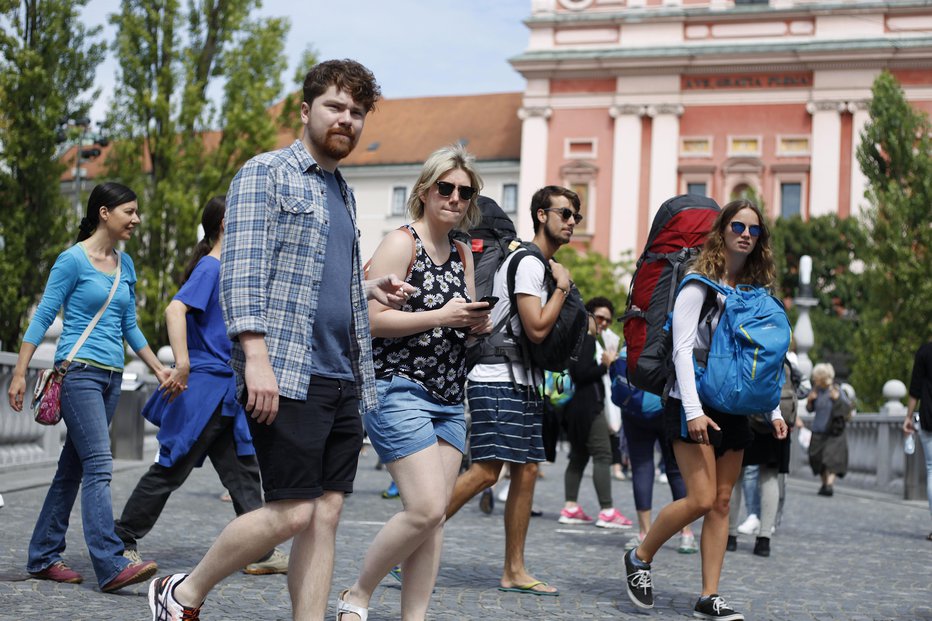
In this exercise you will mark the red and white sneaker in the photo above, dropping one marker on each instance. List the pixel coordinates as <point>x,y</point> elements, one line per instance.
<point>162,601</point>
<point>574,516</point>
<point>612,518</point>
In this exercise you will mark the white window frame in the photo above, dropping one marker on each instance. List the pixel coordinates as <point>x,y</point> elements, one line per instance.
<point>783,153</point>
<point>404,203</point>
<point>800,178</point>
<point>506,186</point>
<point>707,153</point>
<point>568,153</point>
<point>733,138</point>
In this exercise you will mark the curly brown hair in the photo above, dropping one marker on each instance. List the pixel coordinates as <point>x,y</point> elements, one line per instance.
<point>346,75</point>
<point>758,270</point>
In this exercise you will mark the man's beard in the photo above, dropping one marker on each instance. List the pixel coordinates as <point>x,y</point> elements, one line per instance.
<point>334,147</point>
<point>555,239</point>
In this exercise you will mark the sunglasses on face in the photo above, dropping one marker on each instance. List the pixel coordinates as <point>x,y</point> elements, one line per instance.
<point>566,213</point>
<point>445,188</point>
<point>602,319</point>
<point>738,228</point>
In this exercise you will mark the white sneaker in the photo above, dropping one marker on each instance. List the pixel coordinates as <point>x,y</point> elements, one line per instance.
<point>162,601</point>
<point>750,526</point>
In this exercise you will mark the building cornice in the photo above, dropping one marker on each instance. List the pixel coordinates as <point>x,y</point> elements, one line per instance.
<point>836,54</point>
<point>705,14</point>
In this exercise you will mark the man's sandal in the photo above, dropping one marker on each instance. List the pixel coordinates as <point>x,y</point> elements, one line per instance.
<point>345,608</point>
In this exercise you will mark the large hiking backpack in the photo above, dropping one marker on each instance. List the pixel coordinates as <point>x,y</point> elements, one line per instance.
<point>493,240</point>
<point>632,401</point>
<point>676,235</point>
<point>743,371</point>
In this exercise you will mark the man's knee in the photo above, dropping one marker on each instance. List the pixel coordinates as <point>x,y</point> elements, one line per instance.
<point>487,472</point>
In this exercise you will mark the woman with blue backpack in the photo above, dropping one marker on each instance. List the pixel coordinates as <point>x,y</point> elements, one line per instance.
<point>734,267</point>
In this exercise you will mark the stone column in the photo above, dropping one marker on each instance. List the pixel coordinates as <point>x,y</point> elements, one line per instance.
<point>626,178</point>
<point>860,117</point>
<point>825,167</point>
<point>664,153</point>
<point>533,175</point>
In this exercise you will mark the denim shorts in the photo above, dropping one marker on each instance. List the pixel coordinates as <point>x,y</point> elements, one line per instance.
<point>409,419</point>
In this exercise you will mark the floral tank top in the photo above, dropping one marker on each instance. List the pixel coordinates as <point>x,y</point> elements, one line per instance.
<point>435,359</point>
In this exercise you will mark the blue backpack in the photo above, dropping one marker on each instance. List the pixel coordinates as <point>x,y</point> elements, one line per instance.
<point>743,373</point>
<point>632,401</point>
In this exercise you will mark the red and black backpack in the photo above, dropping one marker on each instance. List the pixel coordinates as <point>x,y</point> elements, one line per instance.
<point>676,235</point>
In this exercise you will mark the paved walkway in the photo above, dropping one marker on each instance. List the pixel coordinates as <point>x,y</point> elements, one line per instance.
<point>854,557</point>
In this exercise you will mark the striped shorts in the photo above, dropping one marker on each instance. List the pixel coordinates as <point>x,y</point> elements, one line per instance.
<point>506,424</point>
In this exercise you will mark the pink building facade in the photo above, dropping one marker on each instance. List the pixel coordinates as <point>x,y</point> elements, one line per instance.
<point>630,102</point>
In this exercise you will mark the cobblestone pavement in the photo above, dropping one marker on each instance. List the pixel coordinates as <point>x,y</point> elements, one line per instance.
<point>854,557</point>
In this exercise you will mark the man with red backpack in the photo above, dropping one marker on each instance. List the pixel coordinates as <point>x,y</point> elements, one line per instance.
<point>504,403</point>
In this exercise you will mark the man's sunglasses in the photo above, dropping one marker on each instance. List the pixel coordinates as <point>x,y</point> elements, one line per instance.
<point>445,188</point>
<point>738,228</point>
<point>566,213</point>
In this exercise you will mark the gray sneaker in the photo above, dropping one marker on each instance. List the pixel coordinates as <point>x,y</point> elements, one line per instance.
<point>132,555</point>
<point>275,564</point>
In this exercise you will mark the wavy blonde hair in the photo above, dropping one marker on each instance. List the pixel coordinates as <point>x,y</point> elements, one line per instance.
<point>439,163</point>
<point>823,374</point>
<point>758,269</point>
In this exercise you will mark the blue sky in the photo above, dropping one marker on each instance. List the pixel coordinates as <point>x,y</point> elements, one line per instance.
<point>415,47</point>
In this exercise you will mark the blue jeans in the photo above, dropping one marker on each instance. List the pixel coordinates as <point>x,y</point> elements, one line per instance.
<point>751,484</point>
<point>88,401</point>
<point>925,437</point>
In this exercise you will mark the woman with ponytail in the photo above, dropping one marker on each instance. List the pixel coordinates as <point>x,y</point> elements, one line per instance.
<point>80,282</point>
<point>196,409</point>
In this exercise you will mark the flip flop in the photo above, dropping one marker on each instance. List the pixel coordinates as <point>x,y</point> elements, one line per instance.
<point>529,588</point>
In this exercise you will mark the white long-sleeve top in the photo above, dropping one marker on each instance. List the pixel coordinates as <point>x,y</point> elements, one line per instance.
<point>689,335</point>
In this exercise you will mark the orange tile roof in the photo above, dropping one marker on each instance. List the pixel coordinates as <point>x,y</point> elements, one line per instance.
<point>406,131</point>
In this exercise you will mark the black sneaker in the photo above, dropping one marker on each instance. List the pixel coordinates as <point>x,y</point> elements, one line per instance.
<point>638,583</point>
<point>714,607</point>
<point>762,546</point>
<point>732,544</point>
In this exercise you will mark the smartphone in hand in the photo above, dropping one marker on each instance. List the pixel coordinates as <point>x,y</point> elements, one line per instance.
<point>490,299</point>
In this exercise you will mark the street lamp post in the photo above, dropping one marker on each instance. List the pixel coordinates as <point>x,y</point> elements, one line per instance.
<point>803,334</point>
<point>87,145</point>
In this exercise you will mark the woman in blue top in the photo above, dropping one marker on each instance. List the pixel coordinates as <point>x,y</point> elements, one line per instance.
<point>197,412</point>
<point>80,282</point>
<point>419,429</point>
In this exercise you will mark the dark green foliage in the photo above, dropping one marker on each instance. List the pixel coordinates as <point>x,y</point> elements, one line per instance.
<point>172,145</point>
<point>896,156</point>
<point>595,275</point>
<point>834,244</point>
<point>47,59</point>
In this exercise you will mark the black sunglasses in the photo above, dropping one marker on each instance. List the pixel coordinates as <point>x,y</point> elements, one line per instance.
<point>445,188</point>
<point>566,213</point>
<point>738,228</point>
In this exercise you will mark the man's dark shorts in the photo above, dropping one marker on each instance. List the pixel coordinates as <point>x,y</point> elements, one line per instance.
<point>313,445</point>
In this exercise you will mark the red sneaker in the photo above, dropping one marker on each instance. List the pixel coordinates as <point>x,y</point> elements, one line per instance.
<point>134,572</point>
<point>59,572</point>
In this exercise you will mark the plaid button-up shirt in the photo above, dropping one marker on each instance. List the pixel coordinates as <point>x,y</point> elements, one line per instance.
<point>272,262</point>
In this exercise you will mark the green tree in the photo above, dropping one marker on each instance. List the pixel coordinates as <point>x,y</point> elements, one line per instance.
<point>172,144</point>
<point>595,275</point>
<point>834,244</point>
<point>47,59</point>
<point>896,156</point>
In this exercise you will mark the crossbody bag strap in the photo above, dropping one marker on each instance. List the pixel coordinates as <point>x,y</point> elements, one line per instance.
<point>90,326</point>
